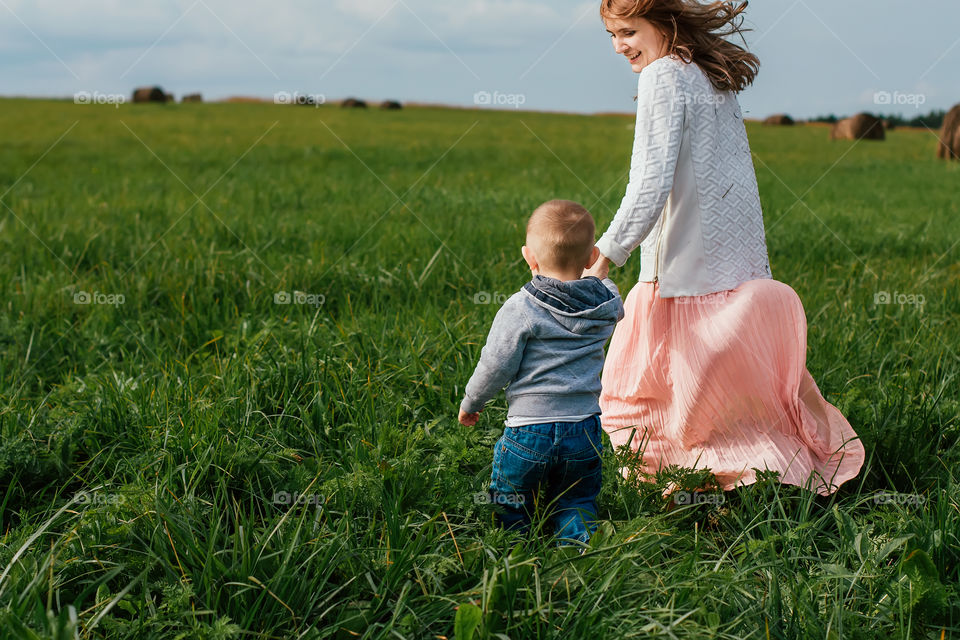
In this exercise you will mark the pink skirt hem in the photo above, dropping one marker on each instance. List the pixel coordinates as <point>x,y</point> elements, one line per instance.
<point>720,382</point>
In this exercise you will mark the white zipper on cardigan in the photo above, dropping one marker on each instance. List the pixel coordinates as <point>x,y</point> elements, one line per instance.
<point>656,253</point>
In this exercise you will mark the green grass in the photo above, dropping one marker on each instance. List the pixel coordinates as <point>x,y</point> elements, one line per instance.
<point>142,444</point>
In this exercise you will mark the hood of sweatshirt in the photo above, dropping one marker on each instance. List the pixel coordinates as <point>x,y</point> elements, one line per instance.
<point>577,304</point>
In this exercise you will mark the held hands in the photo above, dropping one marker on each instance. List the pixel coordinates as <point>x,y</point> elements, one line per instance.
<point>599,269</point>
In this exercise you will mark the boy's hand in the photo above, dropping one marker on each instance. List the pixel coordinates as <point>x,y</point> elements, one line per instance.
<point>468,419</point>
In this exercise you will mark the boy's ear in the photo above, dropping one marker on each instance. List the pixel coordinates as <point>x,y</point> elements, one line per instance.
<point>594,256</point>
<point>529,257</point>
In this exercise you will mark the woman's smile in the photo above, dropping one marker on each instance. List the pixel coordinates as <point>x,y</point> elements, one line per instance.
<point>637,40</point>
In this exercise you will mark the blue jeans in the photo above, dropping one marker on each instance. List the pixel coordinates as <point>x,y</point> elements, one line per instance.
<point>557,465</point>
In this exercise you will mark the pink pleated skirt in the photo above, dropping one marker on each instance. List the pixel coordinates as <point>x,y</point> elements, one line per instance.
<point>720,381</point>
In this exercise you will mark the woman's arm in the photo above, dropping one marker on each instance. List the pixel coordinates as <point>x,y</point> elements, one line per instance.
<point>661,110</point>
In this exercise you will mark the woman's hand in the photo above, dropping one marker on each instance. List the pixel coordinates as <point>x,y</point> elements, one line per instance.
<point>600,268</point>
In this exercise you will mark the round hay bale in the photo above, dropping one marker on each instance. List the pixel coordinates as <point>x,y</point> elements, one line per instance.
<point>391,105</point>
<point>353,103</point>
<point>149,94</point>
<point>862,126</point>
<point>780,120</point>
<point>950,135</point>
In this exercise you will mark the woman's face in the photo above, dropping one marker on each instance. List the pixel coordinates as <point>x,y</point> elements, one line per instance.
<point>637,40</point>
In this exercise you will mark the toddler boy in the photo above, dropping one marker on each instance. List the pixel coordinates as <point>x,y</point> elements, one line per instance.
<point>546,343</point>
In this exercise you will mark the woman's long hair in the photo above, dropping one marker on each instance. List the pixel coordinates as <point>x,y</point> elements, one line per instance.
<point>696,32</point>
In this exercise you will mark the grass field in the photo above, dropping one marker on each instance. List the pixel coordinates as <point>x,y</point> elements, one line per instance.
<point>184,456</point>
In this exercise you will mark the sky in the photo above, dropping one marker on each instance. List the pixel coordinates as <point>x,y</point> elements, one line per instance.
<point>817,56</point>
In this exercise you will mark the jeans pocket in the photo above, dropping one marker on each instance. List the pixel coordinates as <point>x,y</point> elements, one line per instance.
<point>586,443</point>
<point>583,474</point>
<point>516,468</point>
<point>582,457</point>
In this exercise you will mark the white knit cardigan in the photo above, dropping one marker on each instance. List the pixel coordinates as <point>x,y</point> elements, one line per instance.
<point>692,203</point>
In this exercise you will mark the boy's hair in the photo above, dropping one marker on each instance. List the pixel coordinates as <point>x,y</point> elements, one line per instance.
<point>560,233</point>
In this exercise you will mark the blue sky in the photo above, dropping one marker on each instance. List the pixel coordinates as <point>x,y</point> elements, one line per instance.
<point>817,56</point>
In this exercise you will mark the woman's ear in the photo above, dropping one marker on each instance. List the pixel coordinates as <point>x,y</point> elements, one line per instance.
<point>594,256</point>
<point>531,259</point>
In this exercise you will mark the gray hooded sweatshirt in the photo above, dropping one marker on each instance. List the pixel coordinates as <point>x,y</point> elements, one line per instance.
<point>546,343</point>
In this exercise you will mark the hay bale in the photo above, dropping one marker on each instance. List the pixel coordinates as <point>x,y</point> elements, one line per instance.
<point>862,126</point>
<point>192,97</point>
<point>780,120</point>
<point>392,105</point>
<point>149,94</point>
<point>353,103</point>
<point>950,135</point>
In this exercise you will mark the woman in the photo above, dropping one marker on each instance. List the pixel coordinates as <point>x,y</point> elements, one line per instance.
<point>708,368</point>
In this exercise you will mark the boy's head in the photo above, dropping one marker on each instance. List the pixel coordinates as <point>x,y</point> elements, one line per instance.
<point>560,239</point>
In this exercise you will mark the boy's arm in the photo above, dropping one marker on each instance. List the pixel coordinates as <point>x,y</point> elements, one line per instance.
<point>499,359</point>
